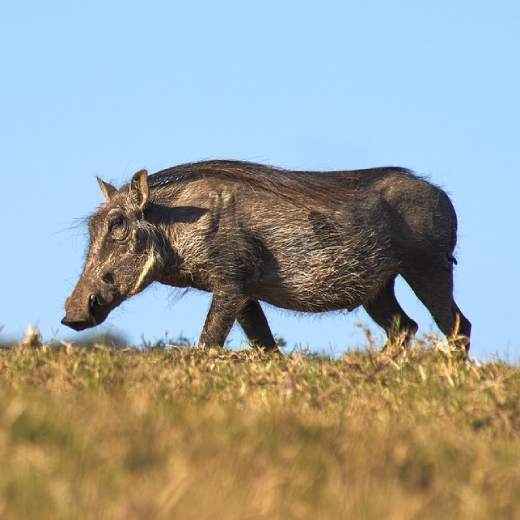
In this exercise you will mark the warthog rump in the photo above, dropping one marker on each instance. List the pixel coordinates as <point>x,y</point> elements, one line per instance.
<point>306,241</point>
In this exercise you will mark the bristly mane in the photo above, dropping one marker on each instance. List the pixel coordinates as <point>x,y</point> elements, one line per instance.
<point>239,169</point>
<point>289,184</point>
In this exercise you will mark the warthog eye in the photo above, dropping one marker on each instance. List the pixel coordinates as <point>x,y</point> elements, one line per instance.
<point>118,227</point>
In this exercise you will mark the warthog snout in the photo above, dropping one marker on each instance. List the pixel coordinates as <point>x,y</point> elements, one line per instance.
<point>80,317</point>
<point>87,308</point>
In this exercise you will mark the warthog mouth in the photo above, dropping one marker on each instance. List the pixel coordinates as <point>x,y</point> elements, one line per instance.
<point>78,325</point>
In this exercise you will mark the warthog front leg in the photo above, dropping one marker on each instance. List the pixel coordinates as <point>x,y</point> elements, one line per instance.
<point>224,310</point>
<point>254,323</point>
<point>221,316</point>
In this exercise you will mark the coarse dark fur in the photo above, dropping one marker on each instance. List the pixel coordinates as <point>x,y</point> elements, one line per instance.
<point>305,241</point>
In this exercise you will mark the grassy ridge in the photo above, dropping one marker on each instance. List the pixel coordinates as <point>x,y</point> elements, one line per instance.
<point>107,433</point>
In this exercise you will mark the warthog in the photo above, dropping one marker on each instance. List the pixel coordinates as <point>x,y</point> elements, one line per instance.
<point>304,241</point>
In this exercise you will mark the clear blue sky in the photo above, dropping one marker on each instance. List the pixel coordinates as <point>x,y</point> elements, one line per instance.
<point>105,88</point>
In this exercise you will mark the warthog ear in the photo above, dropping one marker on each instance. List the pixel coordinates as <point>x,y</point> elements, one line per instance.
<point>139,191</point>
<point>106,189</point>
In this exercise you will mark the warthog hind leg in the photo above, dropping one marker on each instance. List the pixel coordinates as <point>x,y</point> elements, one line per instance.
<point>385,310</point>
<point>433,285</point>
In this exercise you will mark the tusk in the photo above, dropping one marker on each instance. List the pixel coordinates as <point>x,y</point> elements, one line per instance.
<point>150,262</point>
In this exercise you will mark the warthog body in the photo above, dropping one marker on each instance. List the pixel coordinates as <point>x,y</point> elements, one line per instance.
<point>305,241</point>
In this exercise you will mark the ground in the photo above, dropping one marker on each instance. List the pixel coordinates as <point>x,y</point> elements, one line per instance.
<point>184,433</point>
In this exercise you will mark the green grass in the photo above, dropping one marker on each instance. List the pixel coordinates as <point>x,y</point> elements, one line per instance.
<point>191,434</point>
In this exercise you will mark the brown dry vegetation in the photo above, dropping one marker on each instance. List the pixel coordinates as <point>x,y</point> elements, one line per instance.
<point>191,434</point>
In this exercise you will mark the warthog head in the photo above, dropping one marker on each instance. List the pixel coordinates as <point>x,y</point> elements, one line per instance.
<point>123,256</point>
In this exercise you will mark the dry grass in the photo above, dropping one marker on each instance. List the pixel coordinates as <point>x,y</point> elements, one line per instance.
<point>107,433</point>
